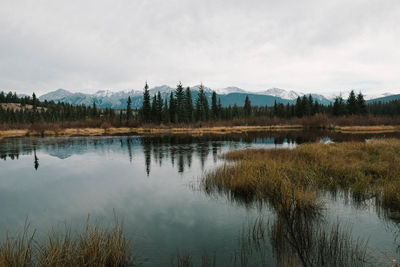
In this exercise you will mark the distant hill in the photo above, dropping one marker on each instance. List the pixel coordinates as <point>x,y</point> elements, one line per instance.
<point>385,98</point>
<point>228,96</point>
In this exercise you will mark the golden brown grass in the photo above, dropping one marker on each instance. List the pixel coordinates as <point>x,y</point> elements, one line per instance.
<point>295,177</point>
<point>18,251</point>
<point>367,129</point>
<point>127,130</point>
<point>96,246</point>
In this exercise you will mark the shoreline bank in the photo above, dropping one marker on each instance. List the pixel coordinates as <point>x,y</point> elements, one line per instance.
<point>190,131</point>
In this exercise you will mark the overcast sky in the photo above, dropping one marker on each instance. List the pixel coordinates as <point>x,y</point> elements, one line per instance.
<point>309,46</point>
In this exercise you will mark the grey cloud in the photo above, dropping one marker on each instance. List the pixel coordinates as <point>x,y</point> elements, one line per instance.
<point>302,45</point>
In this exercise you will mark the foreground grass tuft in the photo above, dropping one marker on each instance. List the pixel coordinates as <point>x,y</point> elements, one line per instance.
<point>96,246</point>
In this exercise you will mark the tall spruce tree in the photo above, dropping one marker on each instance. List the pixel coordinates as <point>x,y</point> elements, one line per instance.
<point>165,112</point>
<point>305,106</point>
<point>189,105</point>
<point>352,107</point>
<point>172,109</point>
<point>146,108</point>
<point>180,103</point>
<point>362,107</point>
<point>247,107</point>
<point>154,115</point>
<point>339,107</point>
<point>34,101</point>
<point>214,107</point>
<point>299,108</point>
<point>94,110</point>
<point>159,106</point>
<point>128,110</point>
<point>202,109</point>
<point>310,105</point>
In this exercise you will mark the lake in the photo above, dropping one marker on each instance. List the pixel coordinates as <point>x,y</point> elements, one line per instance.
<point>152,184</point>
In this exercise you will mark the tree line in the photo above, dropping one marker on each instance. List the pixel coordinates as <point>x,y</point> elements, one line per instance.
<point>180,107</point>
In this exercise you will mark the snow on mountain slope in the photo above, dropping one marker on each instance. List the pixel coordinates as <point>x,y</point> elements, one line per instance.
<point>57,94</point>
<point>282,93</point>
<point>373,96</point>
<point>109,98</point>
<point>229,90</point>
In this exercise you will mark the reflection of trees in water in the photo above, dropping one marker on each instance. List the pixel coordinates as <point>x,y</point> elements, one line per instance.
<point>298,234</point>
<point>300,238</point>
<point>178,149</point>
<point>36,159</point>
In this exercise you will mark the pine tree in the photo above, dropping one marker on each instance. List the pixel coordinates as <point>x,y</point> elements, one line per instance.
<point>146,108</point>
<point>34,101</point>
<point>202,109</point>
<point>189,105</point>
<point>180,104</point>
<point>299,108</point>
<point>165,112</point>
<point>310,105</point>
<point>94,110</point>
<point>159,107</point>
<point>352,106</point>
<point>339,108</point>
<point>305,106</point>
<point>172,109</point>
<point>154,115</point>
<point>128,110</point>
<point>247,107</point>
<point>362,107</point>
<point>214,107</point>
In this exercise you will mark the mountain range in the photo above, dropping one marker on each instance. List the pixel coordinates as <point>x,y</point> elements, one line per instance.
<point>228,96</point>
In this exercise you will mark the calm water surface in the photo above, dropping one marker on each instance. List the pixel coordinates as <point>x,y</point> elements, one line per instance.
<point>151,183</point>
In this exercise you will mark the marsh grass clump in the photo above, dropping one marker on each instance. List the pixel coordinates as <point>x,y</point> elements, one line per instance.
<point>296,177</point>
<point>17,251</point>
<point>96,246</point>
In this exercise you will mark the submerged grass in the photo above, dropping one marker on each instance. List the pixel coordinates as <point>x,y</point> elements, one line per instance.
<point>287,177</point>
<point>96,246</point>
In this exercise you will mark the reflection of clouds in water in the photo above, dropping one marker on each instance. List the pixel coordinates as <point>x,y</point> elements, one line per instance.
<point>160,209</point>
<point>146,180</point>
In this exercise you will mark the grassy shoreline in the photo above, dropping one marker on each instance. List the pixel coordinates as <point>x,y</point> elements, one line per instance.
<point>287,178</point>
<point>96,131</point>
<point>142,130</point>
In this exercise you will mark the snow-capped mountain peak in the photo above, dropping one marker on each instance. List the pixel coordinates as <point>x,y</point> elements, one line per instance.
<point>282,93</point>
<point>104,93</point>
<point>197,88</point>
<point>229,90</point>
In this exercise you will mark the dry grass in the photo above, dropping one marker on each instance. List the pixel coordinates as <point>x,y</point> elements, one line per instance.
<point>18,251</point>
<point>54,131</point>
<point>294,177</point>
<point>95,247</point>
<point>367,129</point>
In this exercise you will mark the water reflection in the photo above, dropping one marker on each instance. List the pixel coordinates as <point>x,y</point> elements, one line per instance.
<point>36,161</point>
<point>74,177</point>
<point>178,149</point>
